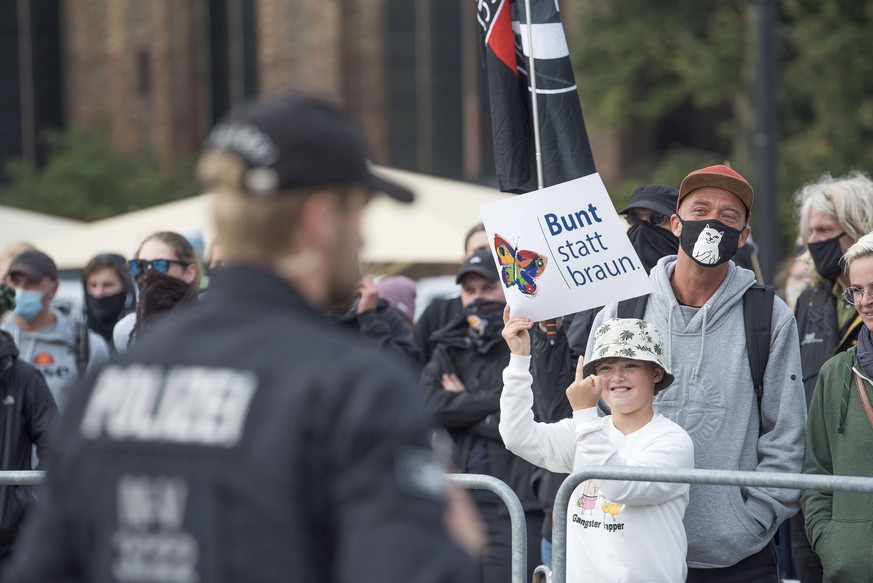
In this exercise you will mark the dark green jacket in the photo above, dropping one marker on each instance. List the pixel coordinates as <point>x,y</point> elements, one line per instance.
<point>839,441</point>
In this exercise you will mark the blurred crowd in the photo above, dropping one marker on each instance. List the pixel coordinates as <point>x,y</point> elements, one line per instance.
<point>810,415</point>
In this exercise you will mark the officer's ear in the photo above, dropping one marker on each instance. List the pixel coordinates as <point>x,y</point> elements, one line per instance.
<point>319,219</point>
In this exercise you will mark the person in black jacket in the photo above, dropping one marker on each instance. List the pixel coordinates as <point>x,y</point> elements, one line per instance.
<point>374,319</point>
<point>442,311</point>
<point>463,381</point>
<point>28,411</point>
<point>246,439</point>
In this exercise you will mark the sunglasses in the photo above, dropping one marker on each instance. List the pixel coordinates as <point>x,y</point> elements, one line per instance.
<point>653,218</point>
<point>139,266</point>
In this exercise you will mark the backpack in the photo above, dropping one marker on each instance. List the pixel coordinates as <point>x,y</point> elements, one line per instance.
<point>82,343</point>
<point>757,315</point>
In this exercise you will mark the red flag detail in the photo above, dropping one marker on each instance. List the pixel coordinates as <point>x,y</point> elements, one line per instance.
<point>501,39</point>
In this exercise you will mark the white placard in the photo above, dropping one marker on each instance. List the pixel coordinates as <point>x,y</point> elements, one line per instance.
<point>563,249</point>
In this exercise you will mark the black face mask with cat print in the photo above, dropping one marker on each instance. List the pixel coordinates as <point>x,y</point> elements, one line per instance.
<point>709,243</point>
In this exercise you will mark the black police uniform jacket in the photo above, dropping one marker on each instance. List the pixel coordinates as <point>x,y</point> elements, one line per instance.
<point>245,440</point>
<point>27,411</point>
<point>474,413</point>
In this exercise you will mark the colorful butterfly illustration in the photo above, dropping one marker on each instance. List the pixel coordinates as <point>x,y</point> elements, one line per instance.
<point>519,267</point>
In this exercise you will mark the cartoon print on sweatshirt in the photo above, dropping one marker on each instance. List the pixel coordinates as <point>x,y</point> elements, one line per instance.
<point>588,501</point>
<point>706,247</point>
<point>611,508</point>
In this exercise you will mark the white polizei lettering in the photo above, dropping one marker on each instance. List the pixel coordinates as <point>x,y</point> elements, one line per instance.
<point>206,406</point>
<point>196,405</point>
<point>110,401</point>
<point>134,418</point>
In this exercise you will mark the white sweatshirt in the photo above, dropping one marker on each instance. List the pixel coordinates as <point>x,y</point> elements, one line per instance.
<point>616,530</point>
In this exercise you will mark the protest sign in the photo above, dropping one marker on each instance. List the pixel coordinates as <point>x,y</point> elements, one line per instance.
<point>563,249</point>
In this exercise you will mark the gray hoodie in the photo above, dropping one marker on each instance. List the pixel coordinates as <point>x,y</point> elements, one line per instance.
<point>52,351</point>
<point>714,401</point>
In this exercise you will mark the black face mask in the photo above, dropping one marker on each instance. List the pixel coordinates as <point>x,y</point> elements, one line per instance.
<point>104,312</point>
<point>826,256</point>
<point>651,243</point>
<point>709,243</point>
<point>484,322</point>
<point>159,293</point>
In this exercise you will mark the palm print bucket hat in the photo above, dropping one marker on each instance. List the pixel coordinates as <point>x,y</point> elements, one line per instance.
<point>629,338</point>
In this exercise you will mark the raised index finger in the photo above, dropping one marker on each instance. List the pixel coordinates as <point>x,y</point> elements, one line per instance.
<point>580,366</point>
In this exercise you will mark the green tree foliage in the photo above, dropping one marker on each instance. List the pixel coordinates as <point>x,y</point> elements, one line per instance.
<point>827,88</point>
<point>657,66</point>
<point>85,178</point>
<point>641,59</point>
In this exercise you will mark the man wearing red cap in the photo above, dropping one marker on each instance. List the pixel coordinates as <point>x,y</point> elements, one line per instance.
<point>698,300</point>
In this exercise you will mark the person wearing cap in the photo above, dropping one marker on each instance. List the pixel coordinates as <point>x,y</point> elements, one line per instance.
<point>698,303</point>
<point>28,413</point>
<point>648,214</point>
<point>52,340</point>
<point>442,311</point>
<point>833,213</point>
<point>246,439</point>
<point>462,383</point>
<point>617,531</point>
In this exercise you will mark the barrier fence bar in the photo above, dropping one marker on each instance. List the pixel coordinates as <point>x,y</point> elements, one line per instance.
<point>516,516</point>
<point>21,478</point>
<point>710,477</point>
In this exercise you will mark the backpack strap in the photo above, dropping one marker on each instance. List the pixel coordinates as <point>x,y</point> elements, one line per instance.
<point>83,346</point>
<point>758,314</point>
<point>632,308</point>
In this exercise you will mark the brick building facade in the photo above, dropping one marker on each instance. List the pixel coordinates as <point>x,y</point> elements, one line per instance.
<point>158,73</point>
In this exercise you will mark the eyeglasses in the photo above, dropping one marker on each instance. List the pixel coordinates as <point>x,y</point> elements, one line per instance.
<point>854,295</point>
<point>657,219</point>
<point>139,266</point>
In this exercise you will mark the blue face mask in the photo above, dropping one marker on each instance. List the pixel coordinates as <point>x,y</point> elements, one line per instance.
<point>28,303</point>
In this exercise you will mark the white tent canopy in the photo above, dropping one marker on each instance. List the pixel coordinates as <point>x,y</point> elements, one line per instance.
<point>22,225</point>
<point>431,230</point>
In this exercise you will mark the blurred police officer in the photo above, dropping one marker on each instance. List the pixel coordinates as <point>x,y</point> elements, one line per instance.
<point>248,440</point>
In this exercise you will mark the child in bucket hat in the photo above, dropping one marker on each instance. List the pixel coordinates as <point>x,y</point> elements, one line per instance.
<point>616,530</point>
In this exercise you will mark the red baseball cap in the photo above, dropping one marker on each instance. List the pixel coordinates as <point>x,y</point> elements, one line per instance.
<point>719,176</point>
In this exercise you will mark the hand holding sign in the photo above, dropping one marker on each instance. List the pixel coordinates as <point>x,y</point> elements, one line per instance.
<point>515,332</point>
<point>584,392</point>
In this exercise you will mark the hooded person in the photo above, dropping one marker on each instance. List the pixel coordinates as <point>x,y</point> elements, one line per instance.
<point>28,412</point>
<point>698,303</point>
<point>627,369</point>
<point>110,293</point>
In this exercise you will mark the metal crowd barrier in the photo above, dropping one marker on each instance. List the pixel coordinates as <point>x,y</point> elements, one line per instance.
<point>21,478</point>
<point>711,477</point>
<point>516,516</point>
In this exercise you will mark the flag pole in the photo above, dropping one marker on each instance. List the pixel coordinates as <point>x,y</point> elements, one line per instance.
<point>533,88</point>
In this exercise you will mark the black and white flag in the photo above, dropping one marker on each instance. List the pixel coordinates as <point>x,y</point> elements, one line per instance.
<point>566,152</point>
